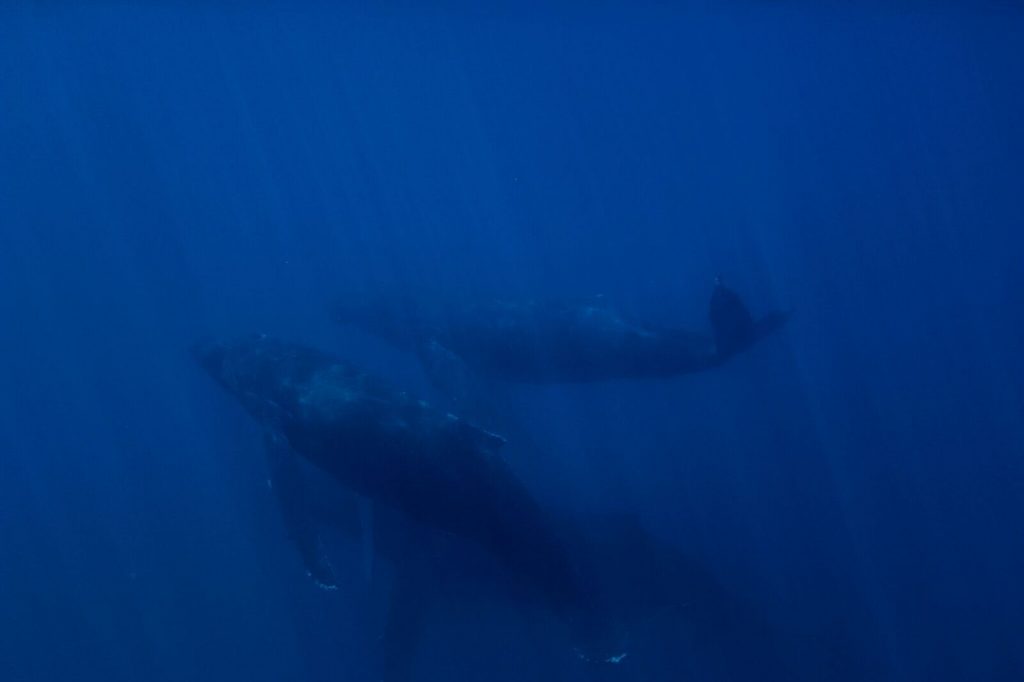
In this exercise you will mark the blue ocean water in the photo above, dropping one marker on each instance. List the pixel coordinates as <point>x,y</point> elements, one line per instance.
<point>175,171</point>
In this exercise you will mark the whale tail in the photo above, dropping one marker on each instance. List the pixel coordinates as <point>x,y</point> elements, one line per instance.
<point>734,328</point>
<point>600,645</point>
<point>666,607</point>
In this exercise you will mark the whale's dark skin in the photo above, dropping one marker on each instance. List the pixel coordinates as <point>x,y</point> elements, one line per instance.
<point>651,592</point>
<point>398,452</point>
<point>449,513</point>
<point>561,342</point>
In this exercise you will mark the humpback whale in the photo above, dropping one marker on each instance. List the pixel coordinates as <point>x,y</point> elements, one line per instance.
<point>644,588</point>
<point>434,469</point>
<point>448,509</point>
<point>560,342</point>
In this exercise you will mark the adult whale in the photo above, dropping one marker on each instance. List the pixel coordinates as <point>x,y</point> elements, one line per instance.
<point>560,342</point>
<point>666,603</point>
<point>436,470</point>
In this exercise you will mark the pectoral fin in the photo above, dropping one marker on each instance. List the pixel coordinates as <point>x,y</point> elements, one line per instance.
<point>288,484</point>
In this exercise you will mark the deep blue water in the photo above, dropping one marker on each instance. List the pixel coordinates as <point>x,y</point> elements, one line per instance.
<point>196,169</point>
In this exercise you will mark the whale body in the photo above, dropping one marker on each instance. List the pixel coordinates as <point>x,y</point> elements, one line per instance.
<point>436,470</point>
<point>545,342</point>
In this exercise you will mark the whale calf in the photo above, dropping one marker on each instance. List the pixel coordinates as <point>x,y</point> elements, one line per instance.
<point>545,342</point>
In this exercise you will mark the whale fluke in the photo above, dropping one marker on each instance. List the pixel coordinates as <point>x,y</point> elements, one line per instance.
<point>733,327</point>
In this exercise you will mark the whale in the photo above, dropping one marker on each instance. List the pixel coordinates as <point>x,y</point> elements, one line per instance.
<point>436,472</point>
<point>646,589</point>
<point>548,342</point>
<point>450,516</point>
